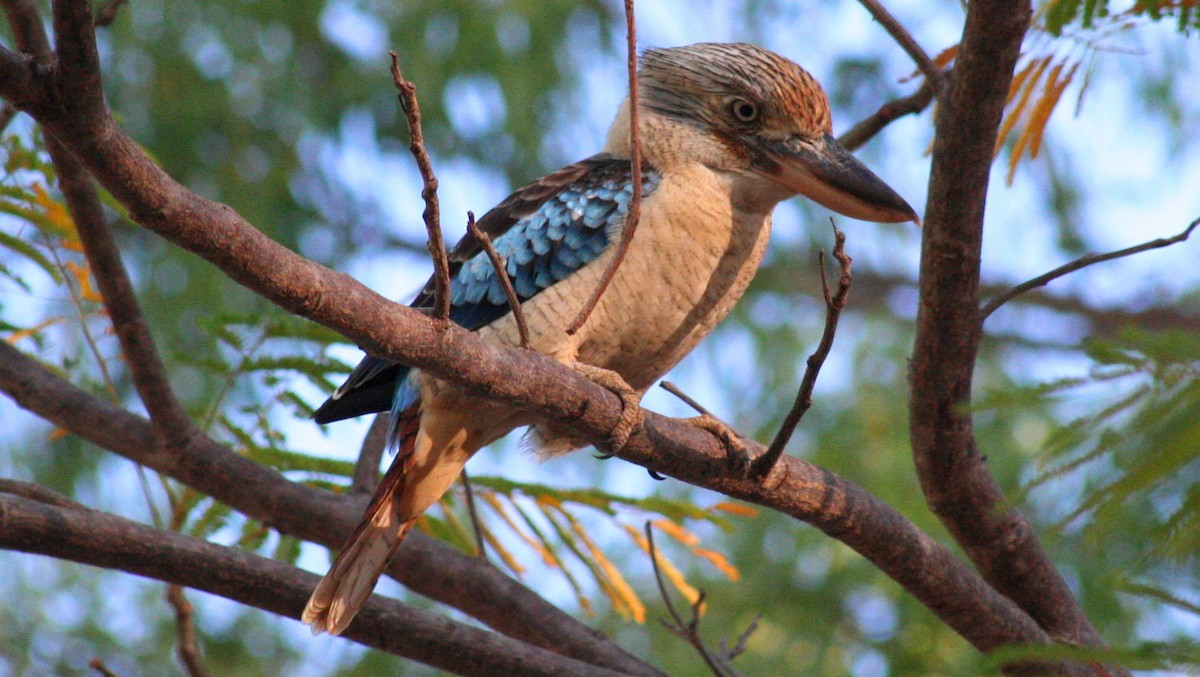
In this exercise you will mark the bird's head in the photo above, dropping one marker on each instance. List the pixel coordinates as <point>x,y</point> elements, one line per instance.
<point>761,118</point>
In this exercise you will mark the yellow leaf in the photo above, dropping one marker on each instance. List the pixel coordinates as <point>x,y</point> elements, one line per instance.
<point>1037,120</point>
<point>509,560</point>
<point>20,334</point>
<point>739,509</point>
<point>720,562</point>
<point>1037,67</point>
<point>1041,115</point>
<point>58,434</point>
<point>83,276</point>
<point>57,215</point>
<point>494,501</point>
<point>668,569</point>
<point>677,532</point>
<point>621,592</point>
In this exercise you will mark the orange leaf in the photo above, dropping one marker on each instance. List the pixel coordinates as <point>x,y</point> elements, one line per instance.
<point>719,561</point>
<point>677,532</point>
<point>739,509</point>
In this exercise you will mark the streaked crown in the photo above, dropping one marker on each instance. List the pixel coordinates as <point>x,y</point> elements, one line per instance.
<point>733,86</point>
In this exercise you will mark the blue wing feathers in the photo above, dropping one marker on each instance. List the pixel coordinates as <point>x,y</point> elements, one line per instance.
<point>545,232</point>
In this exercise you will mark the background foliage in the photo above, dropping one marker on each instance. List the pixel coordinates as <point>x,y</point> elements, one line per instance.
<point>285,111</point>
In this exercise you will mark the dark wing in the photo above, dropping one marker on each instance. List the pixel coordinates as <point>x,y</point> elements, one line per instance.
<point>544,232</point>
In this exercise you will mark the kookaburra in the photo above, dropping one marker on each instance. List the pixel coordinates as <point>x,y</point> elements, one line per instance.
<point>727,132</point>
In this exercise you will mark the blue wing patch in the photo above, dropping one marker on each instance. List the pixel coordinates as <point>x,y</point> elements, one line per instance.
<point>545,231</point>
<point>568,231</point>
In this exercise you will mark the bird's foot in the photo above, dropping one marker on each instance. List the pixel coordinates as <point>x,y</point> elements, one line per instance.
<point>737,453</point>
<point>631,410</point>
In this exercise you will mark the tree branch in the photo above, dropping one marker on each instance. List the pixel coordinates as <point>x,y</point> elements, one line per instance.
<point>424,564</point>
<point>635,145</point>
<point>908,43</point>
<point>103,256</point>
<point>432,213</point>
<point>953,474</point>
<point>99,539</point>
<point>889,112</point>
<point>833,311</point>
<point>1078,264</point>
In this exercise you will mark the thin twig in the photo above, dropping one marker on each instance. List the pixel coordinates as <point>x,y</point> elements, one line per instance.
<point>833,311</point>
<point>635,151</point>
<point>480,548</point>
<point>108,12</point>
<point>889,112</point>
<point>189,646</point>
<point>907,42</point>
<point>501,268</point>
<point>366,468</point>
<point>690,630</point>
<point>1079,263</point>
<point>674,390</point>
<point>432,213</point>
<point>99,666</point>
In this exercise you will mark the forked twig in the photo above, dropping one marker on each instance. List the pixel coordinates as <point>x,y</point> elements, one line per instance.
<point>889,112</point>
<point>432,213</point>
<point>1079,263</point>
<point>366,467</point>
<point>907,42</point>
<point>501,268</point>
<point>635,205</point>
<point>833,311</point>
<point>718,662</point>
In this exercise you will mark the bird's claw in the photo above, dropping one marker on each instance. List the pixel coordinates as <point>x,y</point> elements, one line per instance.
<point>631,410</point>
<point>737,454</point>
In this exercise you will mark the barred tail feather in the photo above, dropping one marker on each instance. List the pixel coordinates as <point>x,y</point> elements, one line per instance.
<point>357,569</point>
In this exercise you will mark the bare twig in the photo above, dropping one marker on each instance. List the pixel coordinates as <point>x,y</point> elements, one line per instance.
<point>366,468</point>
<point>674,390</point>
<point>689,630</point>
<point>480,544</point>
<point>1079,263</point>
<point>501,268</point>
<point>635,145</point>
<point>432,213</point>
<point>833,311</point>
<point>907,42</point>
<point>108,12</point>
<point>189,645</point>
<point>867,128</point>
<point>99,666</point>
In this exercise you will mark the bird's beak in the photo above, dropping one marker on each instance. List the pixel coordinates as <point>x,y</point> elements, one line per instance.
<point>823,170</point>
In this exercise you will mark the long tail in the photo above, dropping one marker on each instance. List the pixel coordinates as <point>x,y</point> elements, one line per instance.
<point>352,577</point>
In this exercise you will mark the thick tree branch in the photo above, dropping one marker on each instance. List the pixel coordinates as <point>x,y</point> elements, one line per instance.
<point>100,539</point>
<point>424,564</point>
<point>103,256</point>
<point>953,473</point>
<point>925,568</point>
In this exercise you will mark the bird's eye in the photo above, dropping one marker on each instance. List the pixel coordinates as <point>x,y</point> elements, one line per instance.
<point>743,110</point>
